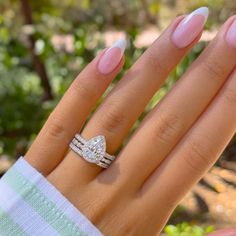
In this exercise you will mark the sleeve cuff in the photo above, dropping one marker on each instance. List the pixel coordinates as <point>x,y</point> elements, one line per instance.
<point>30,205</point>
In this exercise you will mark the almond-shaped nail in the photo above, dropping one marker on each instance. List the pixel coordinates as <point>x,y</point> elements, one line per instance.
<point>231,35</point>
<point>190,27</point>
<point>111,58</point>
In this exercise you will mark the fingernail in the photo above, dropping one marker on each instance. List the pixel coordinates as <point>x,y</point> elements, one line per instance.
<point>111,58</point>
<point>231,35</point>
<point>190,27</point>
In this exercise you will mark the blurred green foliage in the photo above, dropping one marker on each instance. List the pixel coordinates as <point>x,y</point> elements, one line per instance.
<point>22,110</point>
<point>185,229</point>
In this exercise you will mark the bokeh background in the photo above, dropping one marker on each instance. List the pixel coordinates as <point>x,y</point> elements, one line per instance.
<point>44,44</point>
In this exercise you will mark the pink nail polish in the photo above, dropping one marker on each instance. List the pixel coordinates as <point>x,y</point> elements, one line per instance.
<point>190,27</point>
<point>231,35</point>
<point>111,58</point>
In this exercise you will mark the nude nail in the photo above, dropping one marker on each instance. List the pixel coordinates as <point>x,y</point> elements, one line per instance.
<point>190,27</point>
<point>231,35</point>
<point>111,58</point>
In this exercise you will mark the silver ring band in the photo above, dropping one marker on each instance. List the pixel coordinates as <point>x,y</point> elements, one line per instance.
<point>93,150</point>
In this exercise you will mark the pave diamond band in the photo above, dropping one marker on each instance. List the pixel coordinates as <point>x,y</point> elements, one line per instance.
<point>93,150</point>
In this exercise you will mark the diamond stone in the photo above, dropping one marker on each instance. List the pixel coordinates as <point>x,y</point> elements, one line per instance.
<point>94,149</point>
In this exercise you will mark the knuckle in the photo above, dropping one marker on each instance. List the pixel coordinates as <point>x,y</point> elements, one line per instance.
<point>199,154</point>
<point>230,95</point>
<point>55,128</point>
<point>84,89</point>
<point>96,210</point>
<point>128,230</point>
<point>93,212</point>
<point>113,119</point>
<point>130,226</point>
<point>214,68</point>
<point>156,64</point>
<point>127,226</point>
<point>93,207</point>
<point>168,125</point>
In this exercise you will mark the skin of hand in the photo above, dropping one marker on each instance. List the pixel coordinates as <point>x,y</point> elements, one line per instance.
<point>179,140</point>
<point>224,232</point>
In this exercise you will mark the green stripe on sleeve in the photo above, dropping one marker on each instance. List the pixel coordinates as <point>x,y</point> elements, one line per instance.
<point>8,226</point>
<point>41,204</point>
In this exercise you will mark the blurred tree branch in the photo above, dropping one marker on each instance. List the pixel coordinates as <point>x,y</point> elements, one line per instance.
<point>38,64</point>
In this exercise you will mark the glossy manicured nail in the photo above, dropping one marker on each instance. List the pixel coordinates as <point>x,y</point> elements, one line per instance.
<point>111,58</point>
<point>231,34</point>
<point>190,27</point>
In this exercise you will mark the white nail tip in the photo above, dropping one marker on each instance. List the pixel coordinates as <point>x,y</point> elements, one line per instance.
<point>204,11</point>
<point>120,43</point>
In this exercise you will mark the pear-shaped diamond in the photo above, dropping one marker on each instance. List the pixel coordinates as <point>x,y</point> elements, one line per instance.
<point>94,149</point>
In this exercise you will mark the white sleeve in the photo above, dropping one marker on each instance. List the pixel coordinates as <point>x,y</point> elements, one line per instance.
<point>30,205</point>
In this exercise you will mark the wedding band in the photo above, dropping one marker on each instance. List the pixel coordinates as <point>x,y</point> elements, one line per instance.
<point>92,150</point>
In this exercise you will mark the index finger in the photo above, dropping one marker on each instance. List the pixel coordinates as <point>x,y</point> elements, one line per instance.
<point>68,117</point>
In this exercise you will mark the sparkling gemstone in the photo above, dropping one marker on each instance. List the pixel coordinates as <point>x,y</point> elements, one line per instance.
<point>94,149</point>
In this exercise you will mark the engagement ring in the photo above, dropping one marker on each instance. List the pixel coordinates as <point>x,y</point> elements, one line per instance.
<point>93,150</point>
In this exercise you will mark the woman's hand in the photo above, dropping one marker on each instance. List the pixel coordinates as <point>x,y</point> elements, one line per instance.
<point>180,139</point>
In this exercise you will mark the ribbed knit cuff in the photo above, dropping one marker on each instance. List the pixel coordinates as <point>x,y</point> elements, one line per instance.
<point>30,205</point>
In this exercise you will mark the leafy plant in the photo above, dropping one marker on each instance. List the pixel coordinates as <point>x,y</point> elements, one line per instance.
<point>185,229</point>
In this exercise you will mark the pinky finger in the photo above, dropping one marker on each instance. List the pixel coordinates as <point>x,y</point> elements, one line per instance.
<point>197,151</point>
